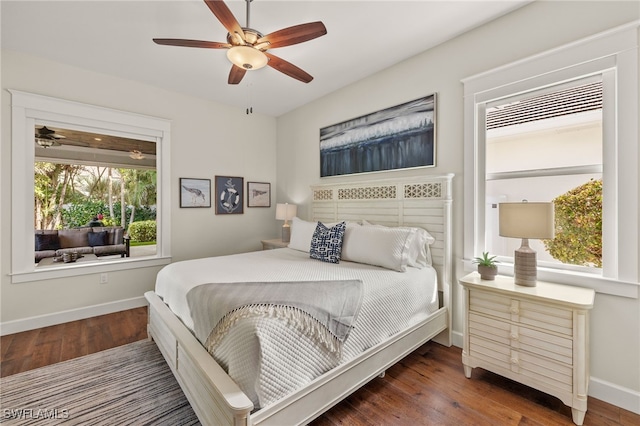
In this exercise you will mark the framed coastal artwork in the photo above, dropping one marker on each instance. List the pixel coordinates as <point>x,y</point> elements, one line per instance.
<point>229,195</point>
<point>195,192</point>
<point>258,194</point>
<point>399,137</point>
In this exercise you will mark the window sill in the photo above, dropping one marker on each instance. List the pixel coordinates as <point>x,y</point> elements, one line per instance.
<point>598,283</point>
<point>87,269</point>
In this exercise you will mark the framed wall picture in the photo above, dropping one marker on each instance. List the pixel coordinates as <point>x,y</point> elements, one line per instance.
<point>258,194</point>
<point>229,195</point>
<point>195,192</point>
<point>399,137</point>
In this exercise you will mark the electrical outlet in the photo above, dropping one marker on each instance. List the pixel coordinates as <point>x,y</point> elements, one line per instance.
<point>104,279</point>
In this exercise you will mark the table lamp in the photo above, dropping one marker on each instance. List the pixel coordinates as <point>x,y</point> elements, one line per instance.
<point>526,220</point>
<point>286,212</point>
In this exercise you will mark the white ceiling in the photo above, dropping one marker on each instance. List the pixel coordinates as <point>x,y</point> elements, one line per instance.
<point>114,37</point>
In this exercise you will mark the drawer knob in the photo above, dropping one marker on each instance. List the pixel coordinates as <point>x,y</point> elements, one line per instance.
<point>515,361</point>
<point>515,310</point>
<point>514,336</point>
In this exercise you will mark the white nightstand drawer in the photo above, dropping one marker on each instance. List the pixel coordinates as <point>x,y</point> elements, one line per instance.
<point>546,317</point>
<point>555,347</point>
<point>537,369</point>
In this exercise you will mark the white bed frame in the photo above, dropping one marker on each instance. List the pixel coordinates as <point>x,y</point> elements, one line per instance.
<point>214,396</point>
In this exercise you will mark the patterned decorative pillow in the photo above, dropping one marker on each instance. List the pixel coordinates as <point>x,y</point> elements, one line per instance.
<point>326,243</point>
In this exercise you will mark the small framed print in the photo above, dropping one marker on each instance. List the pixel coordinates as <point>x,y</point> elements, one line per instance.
<point>195,192</point>
<point>258,194</point>
<point>229,195</point>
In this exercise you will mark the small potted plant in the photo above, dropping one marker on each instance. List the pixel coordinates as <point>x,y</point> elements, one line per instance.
<point>487,267</point>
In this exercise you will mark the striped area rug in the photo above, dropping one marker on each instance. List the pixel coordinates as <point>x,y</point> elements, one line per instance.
<point>127,385</point>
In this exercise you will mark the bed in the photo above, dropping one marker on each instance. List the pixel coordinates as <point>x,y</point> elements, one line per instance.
<point>252,397</point>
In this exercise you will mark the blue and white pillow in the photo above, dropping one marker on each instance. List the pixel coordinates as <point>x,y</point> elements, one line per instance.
<point>326,243</point>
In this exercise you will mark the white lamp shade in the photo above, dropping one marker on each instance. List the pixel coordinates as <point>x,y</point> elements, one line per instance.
<point>286,211</point>
<point>526,220</point>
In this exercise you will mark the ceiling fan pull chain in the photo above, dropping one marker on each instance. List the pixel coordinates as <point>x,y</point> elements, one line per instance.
<point>249,107</point>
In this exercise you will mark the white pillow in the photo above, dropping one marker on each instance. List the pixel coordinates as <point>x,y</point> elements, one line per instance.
<point>378,245</point>
<point>301,234</point>
<point>419,250</point>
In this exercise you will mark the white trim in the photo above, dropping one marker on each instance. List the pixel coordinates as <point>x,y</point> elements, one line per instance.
<point>614,55</point>
<point>102,265</point>
<point>611,393</point>
<point>578,279</point>
<point>32,323</point>
<point>457,339</point>
<point>26,110</point>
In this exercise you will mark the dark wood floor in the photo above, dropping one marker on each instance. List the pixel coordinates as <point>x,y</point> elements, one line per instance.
<point>426,388</point>
<point>37,348</point>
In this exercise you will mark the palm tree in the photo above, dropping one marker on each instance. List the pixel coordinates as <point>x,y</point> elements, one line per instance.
<point>51,182</point>
<point>141,188</point>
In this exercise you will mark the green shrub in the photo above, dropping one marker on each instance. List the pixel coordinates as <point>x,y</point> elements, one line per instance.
<point>578,237</point>
<point>80,214</point>
<point>143,231</point>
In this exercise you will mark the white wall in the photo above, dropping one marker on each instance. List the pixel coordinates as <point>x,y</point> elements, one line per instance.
<point>208,139</point>
<point>538,27</point>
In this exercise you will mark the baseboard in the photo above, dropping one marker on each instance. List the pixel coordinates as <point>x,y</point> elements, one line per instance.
<point>613,394</point>
<point>610,393</point>
<point>47,320</point>
<point>457,339</point>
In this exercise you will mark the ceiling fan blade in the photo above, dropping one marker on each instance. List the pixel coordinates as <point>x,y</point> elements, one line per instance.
<point>236,74</point>
<point>191,43</point>
<point>70,142</point>
<point>288,68</point>
<point>294,35</point>
<point>226,18</point>
<point>45,133</point>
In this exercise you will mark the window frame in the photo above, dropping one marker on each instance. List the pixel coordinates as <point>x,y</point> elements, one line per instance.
<point>614,56</point>
<point>27,110</point>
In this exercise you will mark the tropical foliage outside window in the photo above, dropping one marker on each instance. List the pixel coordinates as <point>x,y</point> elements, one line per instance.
<point>578,237</point>
<point>69,196</point>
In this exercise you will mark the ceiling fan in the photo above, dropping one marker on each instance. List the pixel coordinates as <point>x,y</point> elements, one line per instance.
<point>247,48</point>
<point>46,137</point>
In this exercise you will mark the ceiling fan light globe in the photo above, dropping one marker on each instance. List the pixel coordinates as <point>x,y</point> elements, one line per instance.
<point>247,57</point>
<point>45,143</point>
<point>136,154</point>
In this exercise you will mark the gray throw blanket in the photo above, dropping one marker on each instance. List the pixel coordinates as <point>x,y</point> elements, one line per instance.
<point>323,310</point>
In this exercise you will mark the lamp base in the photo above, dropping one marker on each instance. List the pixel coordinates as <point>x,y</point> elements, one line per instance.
<point>525,266</point>
<point>286,233</point>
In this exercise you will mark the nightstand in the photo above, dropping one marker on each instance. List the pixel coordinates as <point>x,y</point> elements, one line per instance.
<point>538,336</point>
<point>273,244</point>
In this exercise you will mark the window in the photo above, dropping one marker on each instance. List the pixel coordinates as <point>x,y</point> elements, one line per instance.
<point>29,111</point>
<point>83,178</point>
<point>546,146</point>
<point>607,62</point>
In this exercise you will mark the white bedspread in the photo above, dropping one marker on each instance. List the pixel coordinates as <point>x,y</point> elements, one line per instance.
<point>269,360</point>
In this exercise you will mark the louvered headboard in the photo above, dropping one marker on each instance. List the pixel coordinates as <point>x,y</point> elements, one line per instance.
<point>420,201</point>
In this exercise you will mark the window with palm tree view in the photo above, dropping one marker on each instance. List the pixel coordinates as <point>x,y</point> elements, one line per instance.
<point>94,195</point>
